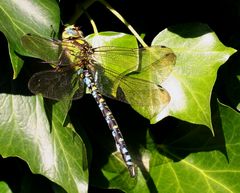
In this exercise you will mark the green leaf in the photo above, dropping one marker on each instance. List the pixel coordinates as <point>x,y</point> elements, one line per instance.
<point>113,60</point>
<point>199,55</point>
<point>116,62</point>
<point>50,149</point>
<point>140,90</point>
<point>21,17</point>
<point>4,188</point>
<point>191,160</point>
<point>16,61</point>
<point>212,163</point>
<point>111,38</point>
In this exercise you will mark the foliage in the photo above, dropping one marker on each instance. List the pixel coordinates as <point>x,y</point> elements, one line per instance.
<point>189,146</point>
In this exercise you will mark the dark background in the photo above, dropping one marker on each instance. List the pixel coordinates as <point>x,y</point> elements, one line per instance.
<point>152,16</point>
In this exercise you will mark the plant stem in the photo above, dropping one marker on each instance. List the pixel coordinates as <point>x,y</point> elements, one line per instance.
<point>119,16</point>
<point>95,30</point>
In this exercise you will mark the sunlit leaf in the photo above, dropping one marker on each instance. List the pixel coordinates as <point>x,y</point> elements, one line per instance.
<point>193,158</point>
<point>28,16</point>
<point>199,55</point>
<point>50,149</point>
<point>4,187</point>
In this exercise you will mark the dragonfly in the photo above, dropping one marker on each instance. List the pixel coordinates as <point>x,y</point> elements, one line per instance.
<point>79,67</point>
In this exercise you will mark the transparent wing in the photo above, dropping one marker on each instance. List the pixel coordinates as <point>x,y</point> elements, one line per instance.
<point>121,59</point>
<point>156,63</point>
<point>60,84</point>
<point>55,52</point>
<point>142,94</point>
<point>137,92</point>
<point>118,59</point>
<point>45,49</point>
<point>137,86</point>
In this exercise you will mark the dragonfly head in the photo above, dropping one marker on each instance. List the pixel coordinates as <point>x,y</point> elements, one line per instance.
<point>72,32</point>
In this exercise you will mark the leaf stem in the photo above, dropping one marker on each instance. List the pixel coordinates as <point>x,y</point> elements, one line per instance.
<point>119,16</point>
<point>94,26</point>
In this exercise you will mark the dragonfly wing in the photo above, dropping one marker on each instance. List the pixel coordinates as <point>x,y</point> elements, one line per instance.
<point>138,92</point>
<point>111,64</point>
<point>50,50</point>
<point>156,63</point>
<point>141,81</point>
<point>117,59</point>
<point>132,90</point>
<point>159,59</point>
<point>42,48</point>
<point>57,85</point>
<point>147,98</point>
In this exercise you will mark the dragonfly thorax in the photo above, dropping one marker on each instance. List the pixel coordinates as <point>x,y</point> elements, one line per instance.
<point>75,48</point>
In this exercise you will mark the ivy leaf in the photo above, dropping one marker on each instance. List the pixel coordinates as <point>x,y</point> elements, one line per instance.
<point>199,56</point>
<point>109,56</point>
<point>4,187</point>
<point>136,72</point>
<point>189,157</point>
<point>28,16</point>
<point>49,149</point>
<point>212,161</point>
